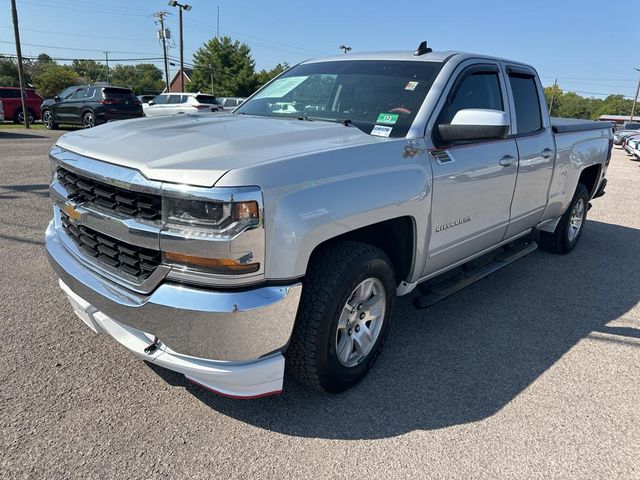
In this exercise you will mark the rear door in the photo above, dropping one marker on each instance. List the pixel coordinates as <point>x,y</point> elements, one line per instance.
<point>473,182</point>
<point>536,148</point>
<point>176,104</point>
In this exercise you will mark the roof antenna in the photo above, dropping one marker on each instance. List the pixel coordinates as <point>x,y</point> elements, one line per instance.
<point>422,49</point>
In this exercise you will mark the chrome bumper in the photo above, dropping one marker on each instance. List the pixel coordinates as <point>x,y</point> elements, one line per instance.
<point>236,329</point>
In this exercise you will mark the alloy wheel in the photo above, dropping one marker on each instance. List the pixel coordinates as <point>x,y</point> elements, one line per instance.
<point>360,322</point>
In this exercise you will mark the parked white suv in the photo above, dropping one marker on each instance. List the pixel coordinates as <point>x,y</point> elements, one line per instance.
<point>172,103</point>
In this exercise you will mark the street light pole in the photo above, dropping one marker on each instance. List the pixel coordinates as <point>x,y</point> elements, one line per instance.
<point>181,7</point>
<point>23,92</point>
<point>635,100</point>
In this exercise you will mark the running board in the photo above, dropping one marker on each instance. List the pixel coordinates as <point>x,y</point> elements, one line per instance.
<point>449,283</point>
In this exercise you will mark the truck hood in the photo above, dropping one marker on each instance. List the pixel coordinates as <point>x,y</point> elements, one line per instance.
<point>199,149</point>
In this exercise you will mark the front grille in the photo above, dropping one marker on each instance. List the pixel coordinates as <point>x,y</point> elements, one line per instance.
<point>123,257</point>
<point>127,202</point>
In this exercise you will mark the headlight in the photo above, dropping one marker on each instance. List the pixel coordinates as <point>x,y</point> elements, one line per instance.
<point>207,236</point>
<point>218,219</point>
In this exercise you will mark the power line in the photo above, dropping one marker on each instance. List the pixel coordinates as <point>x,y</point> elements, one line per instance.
<point>66,34</point>
<point>59,59</point>
<point>77,49</point>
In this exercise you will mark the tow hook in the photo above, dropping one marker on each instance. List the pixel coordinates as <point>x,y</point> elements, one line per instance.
<point>153,347</point>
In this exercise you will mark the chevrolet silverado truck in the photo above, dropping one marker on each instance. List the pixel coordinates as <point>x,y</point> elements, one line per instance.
<point>234,247</point>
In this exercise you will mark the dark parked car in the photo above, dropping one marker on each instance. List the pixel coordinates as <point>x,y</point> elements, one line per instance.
<point>90,105</point>
<point>12,103</point>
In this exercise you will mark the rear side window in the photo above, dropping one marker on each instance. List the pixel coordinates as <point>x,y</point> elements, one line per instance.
<point>208,99</point>
<point>118,94</point>
<point>176,98</point>
<point>476,90</point>
<point>229,102</point>
<point>527,103</point>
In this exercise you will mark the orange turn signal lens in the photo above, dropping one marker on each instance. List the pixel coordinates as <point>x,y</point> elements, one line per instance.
<point>212,265</point>
<point>246,210</point>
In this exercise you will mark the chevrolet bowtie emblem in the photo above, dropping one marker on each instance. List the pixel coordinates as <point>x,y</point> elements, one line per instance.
<point>72,213</point>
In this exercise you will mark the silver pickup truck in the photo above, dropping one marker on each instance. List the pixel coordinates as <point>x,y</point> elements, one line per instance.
<point>233,247</point>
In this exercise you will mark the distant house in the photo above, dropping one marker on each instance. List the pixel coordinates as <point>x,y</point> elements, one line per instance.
<point>174,84</point>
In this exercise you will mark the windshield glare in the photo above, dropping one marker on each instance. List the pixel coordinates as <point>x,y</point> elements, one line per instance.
<point>379,97</point>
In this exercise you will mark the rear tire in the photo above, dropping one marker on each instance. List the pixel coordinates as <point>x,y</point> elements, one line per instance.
<point>47,119</point>
<point>569,230</point>
<point>18,117</point>
<point>343,318</point>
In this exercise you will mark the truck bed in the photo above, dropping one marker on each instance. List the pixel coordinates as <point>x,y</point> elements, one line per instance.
<point>567,125</point>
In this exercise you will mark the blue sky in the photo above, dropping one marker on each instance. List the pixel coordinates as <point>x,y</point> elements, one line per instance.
<point>582,43</point>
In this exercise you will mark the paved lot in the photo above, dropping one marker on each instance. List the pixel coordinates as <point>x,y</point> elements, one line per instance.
<point>531,373</point>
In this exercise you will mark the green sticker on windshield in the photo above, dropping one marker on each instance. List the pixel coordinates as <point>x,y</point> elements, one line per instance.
<point>387,118</point>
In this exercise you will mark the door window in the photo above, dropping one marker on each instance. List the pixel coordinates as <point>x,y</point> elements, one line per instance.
<point>160,99</point>
<point>66,93</point>
<point>173,99</point>
<point>476,90</point>
<point>526,102</point>
<point>79,94</point>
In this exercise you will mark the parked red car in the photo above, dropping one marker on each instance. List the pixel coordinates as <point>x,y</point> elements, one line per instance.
<point>12,104</point>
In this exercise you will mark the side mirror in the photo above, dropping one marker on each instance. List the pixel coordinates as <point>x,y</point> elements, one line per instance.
<point>475,124</point>
<point>151,102</point>
<point>57,98</point>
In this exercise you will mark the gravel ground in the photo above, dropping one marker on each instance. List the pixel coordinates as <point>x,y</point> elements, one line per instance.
<point>533,372</point>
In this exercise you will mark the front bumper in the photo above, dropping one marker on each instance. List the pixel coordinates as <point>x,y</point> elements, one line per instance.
<point>228,341</point>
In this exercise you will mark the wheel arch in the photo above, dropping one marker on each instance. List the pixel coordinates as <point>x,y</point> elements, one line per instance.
<point>395,236</point>
<point>590,177</point>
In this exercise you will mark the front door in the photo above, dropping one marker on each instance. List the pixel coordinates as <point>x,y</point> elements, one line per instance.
<point>473,182</point>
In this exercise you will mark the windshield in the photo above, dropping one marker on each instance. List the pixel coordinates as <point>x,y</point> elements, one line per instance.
<point>379,97</point>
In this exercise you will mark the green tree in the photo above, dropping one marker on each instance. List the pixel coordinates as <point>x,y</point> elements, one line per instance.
<point>90,71</point>
<point>141,78</point>
<point>36,67</point>
<point>614,105</point>
<point>9,72</point>
<point>55,78</point>
<point>228,63</point>
<point>264,76</point>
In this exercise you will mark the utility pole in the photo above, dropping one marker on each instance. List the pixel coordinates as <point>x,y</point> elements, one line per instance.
<point>23,92</point>
<point>553,95</point>
<point>218,23</point>
<point>163,35</point>
<point>635,100</point>
<point>181,7</point>
<point>106,56</point>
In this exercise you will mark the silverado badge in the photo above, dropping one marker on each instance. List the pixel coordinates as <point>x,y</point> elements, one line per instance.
<point>453,224</point>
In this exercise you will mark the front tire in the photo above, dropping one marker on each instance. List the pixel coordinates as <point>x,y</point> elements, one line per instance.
<point>47,119</point>
<point>569,229</point>
<point>343,318</point>
<point>88,120</point>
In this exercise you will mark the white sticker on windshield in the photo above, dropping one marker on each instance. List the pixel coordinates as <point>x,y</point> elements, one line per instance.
<point>381,131</point>
<point>281,87</point>
<point>411,85</point>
